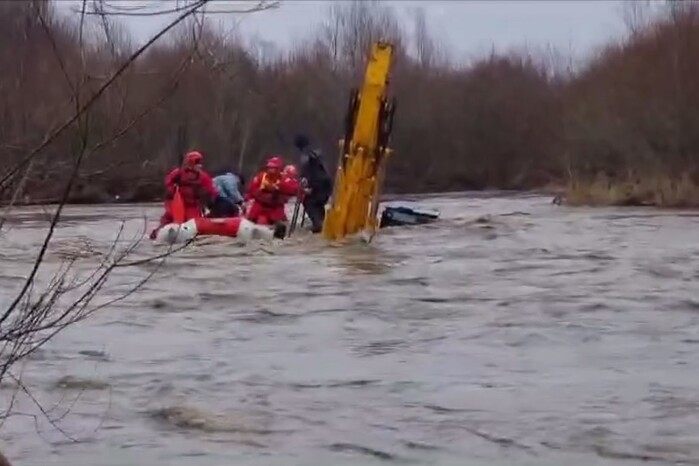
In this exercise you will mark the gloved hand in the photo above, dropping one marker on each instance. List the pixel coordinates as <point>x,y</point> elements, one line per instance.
<point>173,186</point>
<point>305,189</point>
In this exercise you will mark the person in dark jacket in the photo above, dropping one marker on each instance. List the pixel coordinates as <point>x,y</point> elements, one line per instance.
<point>318,182</point>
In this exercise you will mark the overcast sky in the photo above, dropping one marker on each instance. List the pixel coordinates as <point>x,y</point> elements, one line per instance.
<point>465,27</point>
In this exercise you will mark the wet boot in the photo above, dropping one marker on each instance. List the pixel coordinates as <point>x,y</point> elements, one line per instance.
<point>316,213</point>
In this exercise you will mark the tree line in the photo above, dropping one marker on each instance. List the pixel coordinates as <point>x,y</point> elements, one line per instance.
<point>623,127</point>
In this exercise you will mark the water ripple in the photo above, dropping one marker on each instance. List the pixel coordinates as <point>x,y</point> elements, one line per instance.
<point>514,332</point>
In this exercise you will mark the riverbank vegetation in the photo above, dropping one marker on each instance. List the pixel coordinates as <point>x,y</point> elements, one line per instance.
<point>622,128</point>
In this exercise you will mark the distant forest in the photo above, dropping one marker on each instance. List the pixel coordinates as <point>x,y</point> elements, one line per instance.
<point>621,128</point>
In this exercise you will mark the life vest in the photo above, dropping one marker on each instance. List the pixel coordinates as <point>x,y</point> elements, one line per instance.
<point>190,186</point>
<point>268,193</point>
<point>315,172</point>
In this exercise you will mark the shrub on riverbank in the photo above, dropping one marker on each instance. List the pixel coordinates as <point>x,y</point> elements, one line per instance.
<point>507,121</point>
<point>632,117</point>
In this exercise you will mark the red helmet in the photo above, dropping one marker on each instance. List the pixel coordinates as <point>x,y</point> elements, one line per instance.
<point>275,162</point>
<point>193,158</point>
<point>291,171</point>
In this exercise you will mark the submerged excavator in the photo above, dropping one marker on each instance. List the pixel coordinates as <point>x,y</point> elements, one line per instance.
<point>364,153</point>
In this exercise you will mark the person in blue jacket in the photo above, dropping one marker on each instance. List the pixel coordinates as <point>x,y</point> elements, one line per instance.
<point>229,201</point>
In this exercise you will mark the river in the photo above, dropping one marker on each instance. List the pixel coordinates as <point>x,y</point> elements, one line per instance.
<point>513,332</point>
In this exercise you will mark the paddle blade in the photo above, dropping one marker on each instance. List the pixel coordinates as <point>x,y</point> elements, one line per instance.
<point>178,207</point>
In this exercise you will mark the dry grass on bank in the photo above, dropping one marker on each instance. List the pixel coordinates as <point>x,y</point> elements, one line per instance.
<point>657,191</point>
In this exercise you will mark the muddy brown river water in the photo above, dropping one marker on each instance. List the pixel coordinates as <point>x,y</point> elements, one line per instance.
<point>514,332</point>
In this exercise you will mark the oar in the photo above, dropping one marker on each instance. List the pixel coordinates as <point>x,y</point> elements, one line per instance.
<point>295,215</point>
<point>298,205</point>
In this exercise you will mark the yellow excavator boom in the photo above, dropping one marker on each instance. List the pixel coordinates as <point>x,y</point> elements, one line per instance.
<point>364,151</point>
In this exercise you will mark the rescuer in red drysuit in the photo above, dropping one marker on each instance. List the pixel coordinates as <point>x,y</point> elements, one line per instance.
<point>291,176</point>
<point>290,171</point>
<point>195,185</point>
<point>269,192</point>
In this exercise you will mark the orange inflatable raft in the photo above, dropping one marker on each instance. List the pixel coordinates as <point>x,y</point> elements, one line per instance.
<point>235,227</point>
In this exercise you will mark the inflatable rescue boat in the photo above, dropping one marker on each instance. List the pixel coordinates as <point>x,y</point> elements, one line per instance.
<point>234,227</point>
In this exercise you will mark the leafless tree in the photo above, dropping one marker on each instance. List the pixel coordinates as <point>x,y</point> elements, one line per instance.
<point>424,44</point>
<point>636,15</point>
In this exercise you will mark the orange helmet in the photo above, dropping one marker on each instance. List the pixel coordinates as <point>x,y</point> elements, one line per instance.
<point>275,162</point>
<point>193,158</point>
<point>290,171</point>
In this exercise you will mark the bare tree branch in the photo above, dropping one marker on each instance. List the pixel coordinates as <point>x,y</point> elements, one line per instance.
<point>50,138</point>
<point>28,323</point>
<point>140,10</point>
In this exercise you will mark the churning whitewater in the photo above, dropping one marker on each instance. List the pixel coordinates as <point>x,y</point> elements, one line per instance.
<point>511,332</point>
